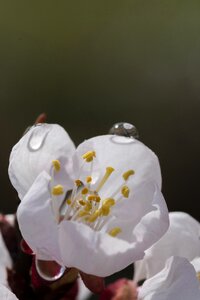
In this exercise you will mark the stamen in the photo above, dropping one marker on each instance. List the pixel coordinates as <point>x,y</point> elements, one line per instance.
<point>88,206</point>
<point>94,216</point>
<point>105,210</point>
<point>115,231</point>
<point>109,202</point>
<point>78,182</point>
<point>84,191</point>
<point>125,191</point>
<point>109,171</point>
<point>88,156</point>
<point>56,164</point>
<point>82,202</point>
<point>68,201</point>
<point>88,179</point>
<point>94,198</point>
<point>83,213</point>
<point>57,190</point>
<point>127,174</point>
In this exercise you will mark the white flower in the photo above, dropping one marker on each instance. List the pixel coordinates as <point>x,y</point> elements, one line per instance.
<point>6,294</point>
<point>177,281</point>
<point>181,239</point>
<point>107,218</point>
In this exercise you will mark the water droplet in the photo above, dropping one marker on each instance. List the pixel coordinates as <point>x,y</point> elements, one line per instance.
<point>38,136</point>
<point>122,140</point>
<point>49,270</point>
<point>124,129</point>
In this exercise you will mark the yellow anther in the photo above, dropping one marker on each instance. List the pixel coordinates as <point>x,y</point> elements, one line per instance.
<point>109,171</point>
<point>78,182</point>
<point>125,191</point>
<point>88,156</point>
<point>109,202</point>
<point>94,198</point>
<point>94,216</point>
<point>115,231</point>
<point>68,201</point>
<point>56,164</point>
<point>127,174</point>
<point>82,213</point>
<point>88,206</point>
<point>82,202</point>
<point>105,210</point>
<point>57,190</point>
<point>88,179</point>
<point>84,191</point>
<point>98,199</point>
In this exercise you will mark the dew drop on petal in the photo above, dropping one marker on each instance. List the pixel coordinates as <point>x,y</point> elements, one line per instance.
<point>49,270</point>
<point>38,136</point>
<point>124,129</point>
<point>122,140</point>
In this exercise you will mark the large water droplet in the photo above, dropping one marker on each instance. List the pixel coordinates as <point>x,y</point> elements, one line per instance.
<point>38,136</point>
<point>124,129</point>
<point>49,270</point>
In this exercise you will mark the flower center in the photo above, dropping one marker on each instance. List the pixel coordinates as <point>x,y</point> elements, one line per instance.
<point>84,203</point>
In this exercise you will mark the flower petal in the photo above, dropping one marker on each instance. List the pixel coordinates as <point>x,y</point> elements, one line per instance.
<point>36,220</point>
<point>186,244</point>
<point>99,254</point>
<point>176,281</point>
<point>122,154</point>
<point>35,152</point>
<point>6,294</point>
<point>5,262</point>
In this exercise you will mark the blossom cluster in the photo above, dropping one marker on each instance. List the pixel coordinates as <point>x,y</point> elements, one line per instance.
<point>93,210</point>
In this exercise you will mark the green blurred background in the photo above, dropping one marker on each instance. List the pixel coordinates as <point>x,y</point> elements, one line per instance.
<point>89,64</point>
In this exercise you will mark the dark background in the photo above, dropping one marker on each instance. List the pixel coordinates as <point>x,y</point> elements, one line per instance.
<point>89,64</point>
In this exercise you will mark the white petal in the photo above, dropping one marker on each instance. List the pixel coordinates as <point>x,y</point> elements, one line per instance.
<point>186,244</point>
<point>35,152</point>
<point>122,154</point>
<point>83,292</point>
<point>196,264</point>
<point>176,281</point>
<point>95,252</point>
<point>6,294</point>
<point>36,221</point>
<point>5,261</point>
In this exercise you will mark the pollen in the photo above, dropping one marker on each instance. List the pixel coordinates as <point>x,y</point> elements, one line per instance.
<point>89,156</point>
<point>115,231</point>
<point>94,198</point>
<point>78,182</point>
<point>125,191</point>
<point>84,191</point>
<point>105,210</point>
<point>88,179</point>
<point>88,206</point>
<point>56,164</point>
<point>94,216</point>
<point>82,213</point>
<point>127,174</point>
<point>57,190</point>
<point>82,202</point>
<point>68,201</point>
<point>109,202</point>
